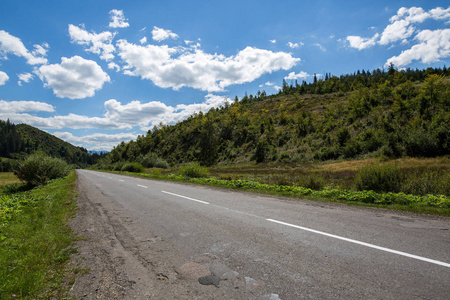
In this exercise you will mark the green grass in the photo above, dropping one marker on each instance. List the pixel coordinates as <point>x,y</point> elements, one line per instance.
<point>36,242</point>
<point>427,204</point>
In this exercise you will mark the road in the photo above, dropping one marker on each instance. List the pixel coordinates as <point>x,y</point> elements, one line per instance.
<point>150,239</point>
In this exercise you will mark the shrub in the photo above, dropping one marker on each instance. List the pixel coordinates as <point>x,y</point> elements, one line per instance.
<point>133,167</point>
<point>194,170</point>
<point>38,168</point>
<point>151,160</point>
<point>379,178</point>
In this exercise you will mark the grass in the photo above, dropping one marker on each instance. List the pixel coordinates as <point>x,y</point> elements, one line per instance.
<point>333,182</point>
<point>36,242</point>
<point>8,178</point>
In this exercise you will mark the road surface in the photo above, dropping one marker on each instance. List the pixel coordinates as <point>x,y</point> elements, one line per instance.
<point>149,239</point>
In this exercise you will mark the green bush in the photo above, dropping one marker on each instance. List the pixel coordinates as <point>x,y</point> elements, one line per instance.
<point>38,168</point>
<point>379,178</point>
<point>436,182</point>
<point>133,167</point>
<point>151,160</point>
<point>194,170</point>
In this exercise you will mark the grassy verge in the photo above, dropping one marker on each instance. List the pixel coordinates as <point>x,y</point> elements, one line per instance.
<point>35,241</point>
<point>428,204</point>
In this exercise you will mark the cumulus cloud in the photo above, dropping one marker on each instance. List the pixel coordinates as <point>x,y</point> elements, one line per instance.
<point>293,76</point>
<point>24,77</point>
<point>362,43</point>
<point>74,78</point>
<point>3,78</point>
<point>293,45</point>
<point>432,46</point>
<point>159,34</point>
<point>178,67</point>
<point>114,66</point>
<point>118,116</point>
<point>12,44</point>
<point>273,41</point>
<point>100,43</point>
<point>143,40</point>
<point>96,141</point>
<point>24,106</point>
<point>117,19</point>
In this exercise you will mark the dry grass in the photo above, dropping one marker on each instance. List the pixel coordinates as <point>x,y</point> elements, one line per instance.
<point>8,178</point>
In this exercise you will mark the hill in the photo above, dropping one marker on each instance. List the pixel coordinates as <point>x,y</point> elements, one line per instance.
<point>17,141</point>
<point>366,114</point>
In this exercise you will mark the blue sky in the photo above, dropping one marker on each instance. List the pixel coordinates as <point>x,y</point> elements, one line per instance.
<point>96,72</point>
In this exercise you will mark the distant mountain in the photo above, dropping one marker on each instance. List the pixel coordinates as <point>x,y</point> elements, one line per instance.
<point>17,141</point>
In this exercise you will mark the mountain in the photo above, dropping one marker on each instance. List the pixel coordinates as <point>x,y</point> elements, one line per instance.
<point>366,114</point>
<point>19,140</point>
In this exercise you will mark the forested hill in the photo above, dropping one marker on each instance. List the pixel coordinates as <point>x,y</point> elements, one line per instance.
<point>366,114</point>
<point>17,141</point>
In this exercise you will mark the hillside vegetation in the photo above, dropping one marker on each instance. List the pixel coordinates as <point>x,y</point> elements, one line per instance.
<point>388,114</point>
<point>18,141</point>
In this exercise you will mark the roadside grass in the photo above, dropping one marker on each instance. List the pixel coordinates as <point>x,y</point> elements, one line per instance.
<point>333,182</point>
<point>35,241</point>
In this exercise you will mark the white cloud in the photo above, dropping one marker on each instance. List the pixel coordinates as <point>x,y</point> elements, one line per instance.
<point>9,107</point>
<point>117,19</point>
<point>399,30</point>
<point>439,13</point>
<point>178,67</point>
<point>74,78</point>
<point>273,41</point>
<point>117,116</point>
<point>24,77</point>
<point>113,65</point>
<point>12,44</point>
<point>293,76</point>
<point>96,141</point>
<point>322,48</point>
<point>159,34</point>
<point>432,46</point>
<point>143,40</point>
<point>72,121</point>
<point>413,15</point>
<point>292,45</point>
<point>40,50</point>
<point>362,43</point>
<point>3,78</point>
<point>99,43</point>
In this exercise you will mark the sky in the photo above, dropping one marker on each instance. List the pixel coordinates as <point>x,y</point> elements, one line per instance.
<point>95,73</point>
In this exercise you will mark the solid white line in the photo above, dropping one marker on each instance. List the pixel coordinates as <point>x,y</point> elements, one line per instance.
<point>192,199</point>
<point>142,186</point>
<point>437,262</point>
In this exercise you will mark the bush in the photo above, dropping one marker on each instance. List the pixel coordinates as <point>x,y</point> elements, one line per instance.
<point>151,160</point>
<point>38,168</point>
<point>133,167</point>
<point>379,178</point>
<point>194,170</point>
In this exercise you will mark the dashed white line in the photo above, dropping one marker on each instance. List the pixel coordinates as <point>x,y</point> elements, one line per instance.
<point>192,199</point>
<point>437,262</point>
<point>142,186</point>
<point>121,180</point>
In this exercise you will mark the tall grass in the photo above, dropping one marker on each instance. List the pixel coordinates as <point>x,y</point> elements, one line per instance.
<point>379,178</point>
<point>35,242</point>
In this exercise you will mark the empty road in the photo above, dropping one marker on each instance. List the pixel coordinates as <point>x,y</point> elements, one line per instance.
<point>150,239</point>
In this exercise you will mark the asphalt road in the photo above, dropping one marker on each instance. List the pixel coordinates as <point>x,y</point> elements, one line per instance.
<point>275,248</point>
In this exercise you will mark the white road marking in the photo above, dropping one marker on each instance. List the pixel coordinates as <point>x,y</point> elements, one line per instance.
<point>142,186</point>
<point>437,262</point>
<point>192,199</point>
<point>121,180</point>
